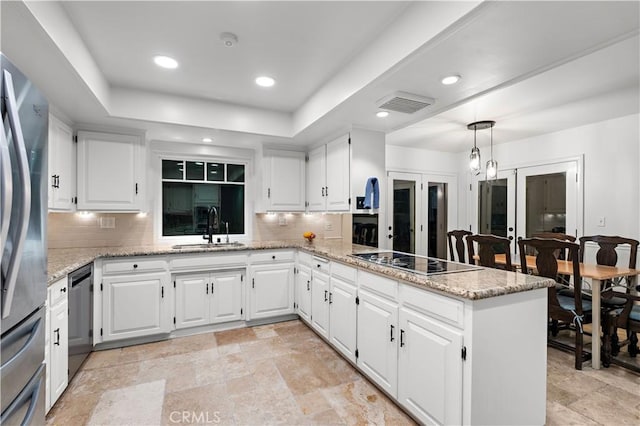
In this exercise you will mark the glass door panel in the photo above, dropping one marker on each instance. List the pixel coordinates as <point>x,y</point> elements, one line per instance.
<point>404,208</point>
<point>496,205</point>
<point>437,220</point>
<point>549,201</point>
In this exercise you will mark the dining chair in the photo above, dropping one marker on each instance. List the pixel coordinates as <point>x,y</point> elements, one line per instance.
<point>571,312</point>
<point>560,254</point>
<point>608,256</point>
<point>488,247</point>
<point>628,318</point>
<point>456,241</point>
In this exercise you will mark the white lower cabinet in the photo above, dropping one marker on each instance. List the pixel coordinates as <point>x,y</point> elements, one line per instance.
<point>320,303</point>
<point>429,369</point>
<point>342,316</point>
<point>58,330</point>
<point>208,298</point>
<point>303,293</point>
<point>271,292</point>
<point>378,340</point>
<point>135,305</point>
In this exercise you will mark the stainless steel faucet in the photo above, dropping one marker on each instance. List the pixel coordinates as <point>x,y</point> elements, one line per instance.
<point>227,226</point>
<point>212,224</point>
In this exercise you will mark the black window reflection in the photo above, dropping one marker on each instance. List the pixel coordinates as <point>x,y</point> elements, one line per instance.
<point>172,169</point>
<point>235,173</point>
<point>215,172</point>
<point>195,170</point>
<point>185,207</point>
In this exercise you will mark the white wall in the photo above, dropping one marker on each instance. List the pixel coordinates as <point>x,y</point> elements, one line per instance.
<point>611,152</point>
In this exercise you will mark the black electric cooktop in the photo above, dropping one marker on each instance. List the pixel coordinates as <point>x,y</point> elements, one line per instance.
<point>414,263</point>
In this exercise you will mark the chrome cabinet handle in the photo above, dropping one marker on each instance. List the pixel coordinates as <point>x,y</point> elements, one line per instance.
<point>25,213</point>
<point>6,190</point>
<point>57,331</point>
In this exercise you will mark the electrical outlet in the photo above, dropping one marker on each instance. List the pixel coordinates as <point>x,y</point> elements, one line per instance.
<point>108,222</point>
<point>328,226</point>
<point>282,220</point>
<point>601,221</point>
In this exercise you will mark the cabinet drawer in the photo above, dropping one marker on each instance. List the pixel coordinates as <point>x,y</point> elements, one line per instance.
<point>272,256</point>
<point>207,261</point>
<point>320,264</point>
<point>58,292</point>
<point>343,271</point>
<point>128,266</point>
<point>379,285</point>
<point>440,307</point>
<point>305,258</point>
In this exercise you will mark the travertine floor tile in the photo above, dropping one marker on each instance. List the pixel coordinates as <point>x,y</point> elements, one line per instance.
<point>285,374</point>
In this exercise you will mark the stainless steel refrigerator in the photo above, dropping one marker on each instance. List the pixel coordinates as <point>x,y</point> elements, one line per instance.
<point>23,248</point>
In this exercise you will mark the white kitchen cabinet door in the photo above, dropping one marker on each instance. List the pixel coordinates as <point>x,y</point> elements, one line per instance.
<point>285,181</point>
<point>109,172</point>
<point>192,300</point>
<point>303,292</point>
<point>378,336</point>
<point>430,352</point>
<point>62,166</point>
<point>226,296</point>
<point>338,187</point>
<point>59,349</point>
<point>320,303</point>
<point>342,317</point>
<point>135,306</point>
<point>316,179</point>
<point>271,290</point>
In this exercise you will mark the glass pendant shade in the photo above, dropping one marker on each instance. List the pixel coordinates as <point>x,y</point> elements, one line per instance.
<point>474,159</point>
<point>492,169</point>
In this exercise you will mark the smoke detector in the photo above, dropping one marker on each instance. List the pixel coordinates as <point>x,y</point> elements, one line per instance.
<point>229,39</point>
<point>407,103</point>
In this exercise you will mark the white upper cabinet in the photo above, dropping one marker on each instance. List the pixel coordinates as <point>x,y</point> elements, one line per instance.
<point>328,176</point>
<point>62,166</point>
<point>110,170</point>
<point>284,183</point>
<point>338,190</point>
<point>338,171</point>
<point>316,179</point>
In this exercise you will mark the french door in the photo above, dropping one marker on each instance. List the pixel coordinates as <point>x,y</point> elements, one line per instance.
<point>421,207</point>
<point>528,200</point>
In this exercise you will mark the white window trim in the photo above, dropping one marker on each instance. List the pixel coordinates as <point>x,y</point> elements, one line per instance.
<point>223,155</point>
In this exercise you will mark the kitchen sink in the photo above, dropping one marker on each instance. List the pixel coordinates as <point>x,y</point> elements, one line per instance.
<point>208,245</point>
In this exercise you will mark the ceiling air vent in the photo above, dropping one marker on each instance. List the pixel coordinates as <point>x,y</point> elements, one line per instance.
<point>407,103</point>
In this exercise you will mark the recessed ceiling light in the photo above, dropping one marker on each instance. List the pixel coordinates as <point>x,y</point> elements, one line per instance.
<point>450,79</point>
<point>207,140</point>
<point>382,114</point>
<point>165,62</point>
<point>265,81</point>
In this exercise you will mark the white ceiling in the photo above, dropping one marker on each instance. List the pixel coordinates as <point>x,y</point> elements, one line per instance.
<point>533,67</point>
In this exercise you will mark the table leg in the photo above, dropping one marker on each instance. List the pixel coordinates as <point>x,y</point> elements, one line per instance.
<point>595,322</point>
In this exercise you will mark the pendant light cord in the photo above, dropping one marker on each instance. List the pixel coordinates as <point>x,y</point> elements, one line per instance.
<point>491,143</point>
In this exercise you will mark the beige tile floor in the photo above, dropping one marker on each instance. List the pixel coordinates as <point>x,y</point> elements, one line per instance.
<point>284,374</point>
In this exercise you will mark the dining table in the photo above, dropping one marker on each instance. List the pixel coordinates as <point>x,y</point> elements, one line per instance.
<point>597,274</point>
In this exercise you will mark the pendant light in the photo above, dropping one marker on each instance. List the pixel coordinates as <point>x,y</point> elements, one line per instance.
<point>474,158</point>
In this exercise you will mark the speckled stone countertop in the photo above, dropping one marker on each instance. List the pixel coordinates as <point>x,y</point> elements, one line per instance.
<point>476,284</point>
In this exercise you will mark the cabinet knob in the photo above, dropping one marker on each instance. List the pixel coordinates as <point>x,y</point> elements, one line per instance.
<point>273,257</point>
<point>63,290</point>
<point>135,266</point>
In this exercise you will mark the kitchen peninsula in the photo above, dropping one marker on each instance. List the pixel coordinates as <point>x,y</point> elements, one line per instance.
<point>448,348</point>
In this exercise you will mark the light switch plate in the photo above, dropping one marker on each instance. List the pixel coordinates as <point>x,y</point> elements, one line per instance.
<point>108,222</point>
<point>601,221</point>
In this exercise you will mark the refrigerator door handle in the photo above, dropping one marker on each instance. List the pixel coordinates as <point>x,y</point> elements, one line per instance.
<point>30,392</point>
<point>24,173</point>
<point>6,190</point>
<point>34,332</point>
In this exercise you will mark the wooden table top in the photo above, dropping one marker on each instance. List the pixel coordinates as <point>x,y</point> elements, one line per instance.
<point>587,270</point>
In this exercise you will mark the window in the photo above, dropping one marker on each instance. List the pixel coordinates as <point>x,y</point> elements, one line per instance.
<point>190,188</point>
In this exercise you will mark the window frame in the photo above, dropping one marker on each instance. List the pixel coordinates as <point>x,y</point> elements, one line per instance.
<point>248,184</point>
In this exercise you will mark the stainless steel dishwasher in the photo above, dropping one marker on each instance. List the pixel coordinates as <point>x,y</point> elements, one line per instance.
<point>80,317</point>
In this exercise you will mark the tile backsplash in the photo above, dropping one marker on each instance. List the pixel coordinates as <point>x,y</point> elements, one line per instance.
<point>65,230</point>
<point>73,230</point>
<point>291,226</point>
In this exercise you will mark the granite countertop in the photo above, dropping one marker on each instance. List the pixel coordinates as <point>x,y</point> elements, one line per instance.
<point>475,284</point>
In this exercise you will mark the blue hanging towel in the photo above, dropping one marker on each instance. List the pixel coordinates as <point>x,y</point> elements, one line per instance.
<point>372,193</point>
